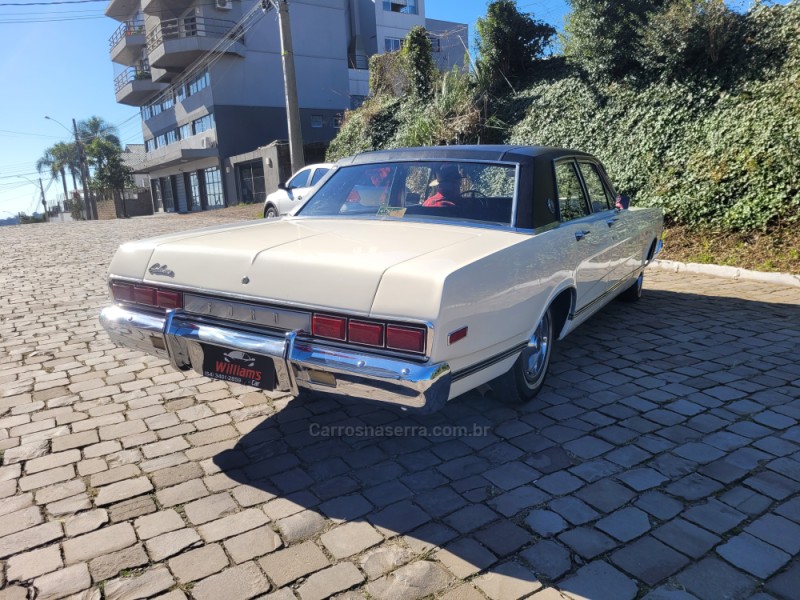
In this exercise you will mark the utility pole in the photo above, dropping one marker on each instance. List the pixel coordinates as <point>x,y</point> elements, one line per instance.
<point>91,208</point>
<point>290,86</point>
<point>44,203</point>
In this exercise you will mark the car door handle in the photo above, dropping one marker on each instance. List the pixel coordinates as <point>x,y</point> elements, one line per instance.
<point>579,235</point>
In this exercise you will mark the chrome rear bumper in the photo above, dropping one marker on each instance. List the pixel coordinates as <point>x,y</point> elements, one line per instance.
<point>299,363</point>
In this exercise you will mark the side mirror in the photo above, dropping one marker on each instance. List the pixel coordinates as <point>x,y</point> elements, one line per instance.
<point>281,186</point>
<point>623,202</point>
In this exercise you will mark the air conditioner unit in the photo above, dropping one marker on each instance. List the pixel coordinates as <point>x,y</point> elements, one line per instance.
<point>224,4</point>
<point>207,142</point>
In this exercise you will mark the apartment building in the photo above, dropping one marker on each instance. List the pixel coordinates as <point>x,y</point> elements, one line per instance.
<point>207,78</point>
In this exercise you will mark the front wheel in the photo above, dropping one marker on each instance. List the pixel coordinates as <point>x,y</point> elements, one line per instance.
<point>526,377</point>
<point>270,212</point>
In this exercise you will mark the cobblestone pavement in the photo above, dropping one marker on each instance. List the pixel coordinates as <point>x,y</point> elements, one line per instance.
<point>662,461</point>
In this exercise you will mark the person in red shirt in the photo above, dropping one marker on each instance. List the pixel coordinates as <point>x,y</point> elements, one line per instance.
<point>448,188</point>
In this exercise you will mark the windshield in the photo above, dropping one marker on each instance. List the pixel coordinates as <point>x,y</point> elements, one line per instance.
<point>481,192</point>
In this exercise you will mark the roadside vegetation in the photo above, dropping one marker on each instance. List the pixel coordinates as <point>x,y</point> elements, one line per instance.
<point>692,107</point>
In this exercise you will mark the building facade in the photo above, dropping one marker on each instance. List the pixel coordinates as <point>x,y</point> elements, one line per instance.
<point>207,78</point>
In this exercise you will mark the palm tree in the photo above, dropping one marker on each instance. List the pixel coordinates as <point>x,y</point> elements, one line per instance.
<point>97,128</point>
<point>52,163</point>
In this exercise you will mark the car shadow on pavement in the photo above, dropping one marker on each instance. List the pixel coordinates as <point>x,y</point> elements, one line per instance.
<point>511,491</point>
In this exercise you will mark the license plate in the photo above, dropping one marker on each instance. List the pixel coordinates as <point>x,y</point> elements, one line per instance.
<point>239,367</point>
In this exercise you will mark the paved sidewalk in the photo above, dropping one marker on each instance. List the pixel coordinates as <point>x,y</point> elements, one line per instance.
<point>662,461</point>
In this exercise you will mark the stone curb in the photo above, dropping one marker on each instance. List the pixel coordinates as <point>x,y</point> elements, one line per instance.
<point>727,272</point>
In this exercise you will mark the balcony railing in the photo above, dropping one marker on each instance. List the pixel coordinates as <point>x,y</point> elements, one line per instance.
<point>128,28</point>
<point>186,27</point>
<point>131,74</point>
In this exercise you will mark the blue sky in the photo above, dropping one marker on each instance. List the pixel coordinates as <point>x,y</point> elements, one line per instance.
<point>58,65</point>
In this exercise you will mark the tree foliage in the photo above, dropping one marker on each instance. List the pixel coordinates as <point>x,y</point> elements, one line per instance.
<point>97,128</point>
<point>101,147</point>
<point>418,63</point>
<point>691,39</point>
<point>510,42</point>
<point>110,172</point>
<point>692,107</point>
<point>387,75</point>
<point>602,37</point>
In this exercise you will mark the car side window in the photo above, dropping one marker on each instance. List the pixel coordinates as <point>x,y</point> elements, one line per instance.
<point>318,174</point>
<point>599,196</point>
<point>571,199</point>
<point>299,180</point>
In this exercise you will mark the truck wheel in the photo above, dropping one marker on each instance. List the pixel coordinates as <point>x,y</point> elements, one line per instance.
<point>526,377</point>
<point>633,293</point>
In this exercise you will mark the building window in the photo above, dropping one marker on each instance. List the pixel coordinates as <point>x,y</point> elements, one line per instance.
<point>193,190</point>
<point>393,44</point>
<point>155,184</point>
<point>149,145</point>
<point>317,121</point>
<point>251,182</point>
<point>185,131</point>
<point>203,123</point>
<point>166,192</point>
<point>214,197</point>
<point>436,44</point>
<point>337,121</point>
<point>161,140</point>
<point>172,136</point>
<point>407,7</point>
<point>198,82</point>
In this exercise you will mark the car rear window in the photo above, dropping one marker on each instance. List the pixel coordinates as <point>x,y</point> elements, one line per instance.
<point>467,191</point>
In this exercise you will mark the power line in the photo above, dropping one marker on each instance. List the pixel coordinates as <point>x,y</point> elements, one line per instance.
<point>9,132</point>
<point>61,20</point>
<point>54,3</point>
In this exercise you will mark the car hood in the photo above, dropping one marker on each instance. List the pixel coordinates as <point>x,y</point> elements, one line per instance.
<point>332,263</point>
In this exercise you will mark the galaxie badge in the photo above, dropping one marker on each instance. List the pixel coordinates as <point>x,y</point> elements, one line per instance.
<point>158,269</point>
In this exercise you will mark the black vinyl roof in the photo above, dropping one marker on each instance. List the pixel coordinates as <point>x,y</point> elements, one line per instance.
<point>475,152</point>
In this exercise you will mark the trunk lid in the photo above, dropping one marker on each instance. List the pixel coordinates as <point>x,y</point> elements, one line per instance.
<point>330,263</point>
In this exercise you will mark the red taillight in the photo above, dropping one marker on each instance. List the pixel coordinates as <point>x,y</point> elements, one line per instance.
<point>122,292</point>
<point>169,300</point>
<point>407,339</point>
<point>145,295</point>
<point>334,328</point>
<point>359,332</point>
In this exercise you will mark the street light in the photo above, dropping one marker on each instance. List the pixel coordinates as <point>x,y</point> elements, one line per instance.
<point>41,189</point>
<point>91,207</point>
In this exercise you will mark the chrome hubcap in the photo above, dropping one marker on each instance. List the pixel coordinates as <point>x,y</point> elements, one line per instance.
<point>535,356</point>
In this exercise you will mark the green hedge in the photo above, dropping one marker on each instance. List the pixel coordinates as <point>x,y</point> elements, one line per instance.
<point>720,154</point>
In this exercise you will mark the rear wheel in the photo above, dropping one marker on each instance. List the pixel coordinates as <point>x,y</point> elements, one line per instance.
<point>270,212</point>
<point>526,377</point>
<point>633,293</point>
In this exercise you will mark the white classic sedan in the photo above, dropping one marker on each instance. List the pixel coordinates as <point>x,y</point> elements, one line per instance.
<point>408,276</point>
<point>290,195</point>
